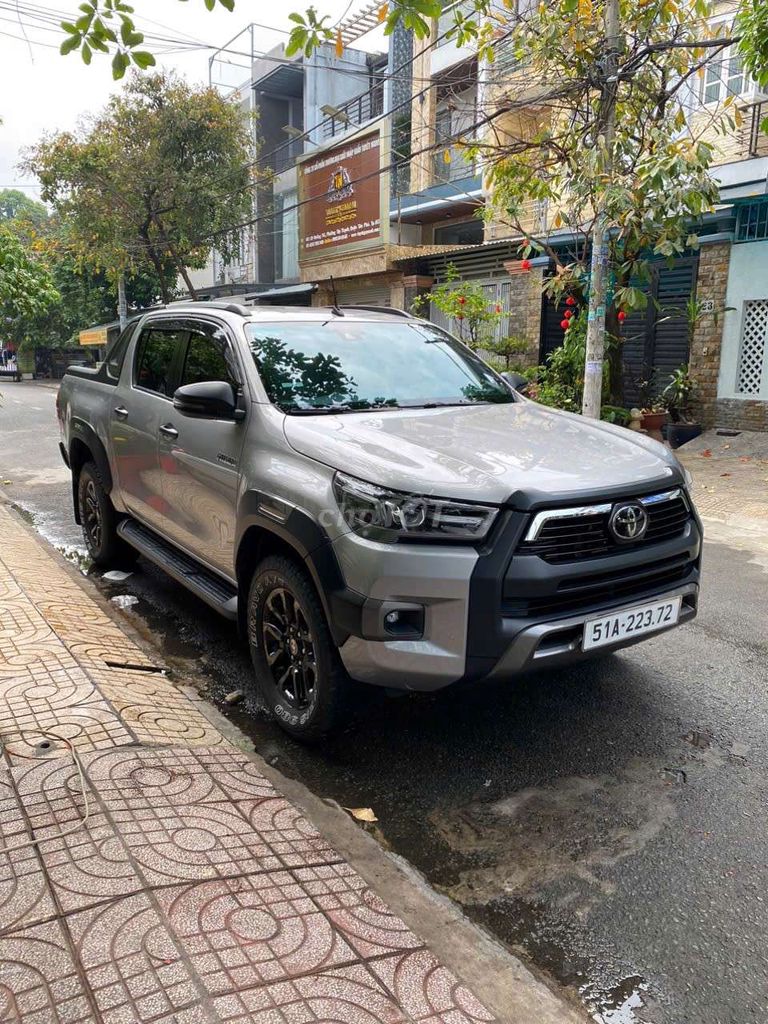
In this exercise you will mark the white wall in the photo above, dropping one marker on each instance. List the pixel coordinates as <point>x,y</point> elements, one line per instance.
<point>747,279</point>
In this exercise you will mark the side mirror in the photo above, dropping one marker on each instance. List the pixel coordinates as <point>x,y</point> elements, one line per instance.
<point>516,381</point>
<point>209,399</point>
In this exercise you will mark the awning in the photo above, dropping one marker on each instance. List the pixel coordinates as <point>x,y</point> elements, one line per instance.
<point>279,293</point>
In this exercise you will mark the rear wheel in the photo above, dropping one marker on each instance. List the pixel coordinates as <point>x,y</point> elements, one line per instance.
<point>298,669</point>
<point>99,520</point>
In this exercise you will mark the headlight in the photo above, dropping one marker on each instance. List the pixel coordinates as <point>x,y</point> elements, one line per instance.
<point>381,514</point>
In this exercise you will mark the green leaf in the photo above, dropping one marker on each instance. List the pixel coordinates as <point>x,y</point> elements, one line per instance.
<point>210,4</point>
<point>69,28</point>
<point>86,53</point>
<point>228,5</point>
<point>70,44</point>
<point>143,59</point>
<point>120,64</point>
<point>83,24</point>
<point>297,18</point>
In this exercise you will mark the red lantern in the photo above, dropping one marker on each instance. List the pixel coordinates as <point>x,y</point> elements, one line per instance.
<point>622,316</point>
<point>498,308</point>
<point>526,264</point>
<point>570,301</point>
<point>568,314</point>
<point>565,324</point>
<point>462,300</point>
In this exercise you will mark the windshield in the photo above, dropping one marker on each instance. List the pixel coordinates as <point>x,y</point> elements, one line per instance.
<point>348,366</point>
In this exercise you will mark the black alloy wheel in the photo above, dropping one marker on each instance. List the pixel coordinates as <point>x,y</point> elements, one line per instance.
<point>289,648</point>
<point>299,673</point>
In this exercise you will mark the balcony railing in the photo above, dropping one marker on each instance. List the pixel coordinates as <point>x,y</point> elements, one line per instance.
<point>356,111</point>
<point>756,141</point>
<point>451,163</point>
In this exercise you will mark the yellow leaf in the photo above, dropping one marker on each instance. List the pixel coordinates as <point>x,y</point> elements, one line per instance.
<point>447,156</point>
<point>361,813</point>
<point>339,43</point>
<point>383,12</point>
<point>558,220</point>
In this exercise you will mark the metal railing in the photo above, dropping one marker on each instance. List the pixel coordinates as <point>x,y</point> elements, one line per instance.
<point>454,168</point>
<point>356,111</point>
<point>755,132</point>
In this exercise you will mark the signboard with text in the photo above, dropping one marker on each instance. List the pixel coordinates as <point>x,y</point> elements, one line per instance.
<point>340,196</point>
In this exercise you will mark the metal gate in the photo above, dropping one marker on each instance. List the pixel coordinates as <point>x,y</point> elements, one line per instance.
<point>656,340</point>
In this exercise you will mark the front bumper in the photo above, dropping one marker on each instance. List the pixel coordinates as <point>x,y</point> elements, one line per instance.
<point>496,612</point>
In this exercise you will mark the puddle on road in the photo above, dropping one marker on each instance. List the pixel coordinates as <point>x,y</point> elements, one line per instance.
<point>75,554</point>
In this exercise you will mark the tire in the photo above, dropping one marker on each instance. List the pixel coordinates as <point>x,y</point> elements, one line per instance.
<point>299,673</point>
<point>99,521</point>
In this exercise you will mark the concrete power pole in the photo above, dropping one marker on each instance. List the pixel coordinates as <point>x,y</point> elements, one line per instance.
<point>122,305</point>
<point>598,284</point>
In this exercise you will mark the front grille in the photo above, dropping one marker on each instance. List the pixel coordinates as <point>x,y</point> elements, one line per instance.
<point>579,592</point>
<point>572,538</point>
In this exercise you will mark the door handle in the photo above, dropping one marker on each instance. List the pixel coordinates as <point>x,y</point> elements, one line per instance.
<point>169,430</point>
<point>121,412</point>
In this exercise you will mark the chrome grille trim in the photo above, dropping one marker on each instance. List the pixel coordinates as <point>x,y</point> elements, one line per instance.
<point>583,511</point>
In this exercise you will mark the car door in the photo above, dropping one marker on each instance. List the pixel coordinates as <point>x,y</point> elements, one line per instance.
<point>142,400</point>
<point>200,457</point>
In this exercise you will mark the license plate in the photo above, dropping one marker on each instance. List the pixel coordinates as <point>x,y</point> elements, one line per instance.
<point>647,618</point>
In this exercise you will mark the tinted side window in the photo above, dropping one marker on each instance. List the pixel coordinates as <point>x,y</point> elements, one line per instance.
<point>116,355</point>
<point>207,360</point>
<point>154,359</point>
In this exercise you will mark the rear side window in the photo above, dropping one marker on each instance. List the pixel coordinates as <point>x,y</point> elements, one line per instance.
<point>155,356</point>
<point>207,359</point>
<point>116,355</point>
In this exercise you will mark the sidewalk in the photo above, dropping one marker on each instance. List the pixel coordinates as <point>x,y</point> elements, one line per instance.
<point>730,486</point>
<point>151,872</point>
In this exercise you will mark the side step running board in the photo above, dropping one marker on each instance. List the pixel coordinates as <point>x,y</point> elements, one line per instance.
<point>216,592</point>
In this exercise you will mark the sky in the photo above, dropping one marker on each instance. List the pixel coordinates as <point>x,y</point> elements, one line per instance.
<point>43,92</point>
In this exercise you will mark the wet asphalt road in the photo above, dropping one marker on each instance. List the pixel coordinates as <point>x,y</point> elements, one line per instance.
<point>608,822</point>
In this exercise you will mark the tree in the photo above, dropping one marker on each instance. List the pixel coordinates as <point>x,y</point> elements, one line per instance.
<point>152,178</point>
<point>15,206</point>
<point>472,316</point>
<point>26,287</point>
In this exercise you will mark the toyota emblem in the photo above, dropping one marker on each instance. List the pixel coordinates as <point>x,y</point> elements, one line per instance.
<point>628,523</point>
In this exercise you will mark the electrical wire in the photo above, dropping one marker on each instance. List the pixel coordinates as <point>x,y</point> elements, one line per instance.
<point>86,805</point>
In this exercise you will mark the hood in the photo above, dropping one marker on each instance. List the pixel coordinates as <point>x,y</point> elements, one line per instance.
<point>520,453</point>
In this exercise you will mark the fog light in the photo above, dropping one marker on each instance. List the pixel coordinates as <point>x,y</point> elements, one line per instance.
<point>404,623</point>
<point>392,618</point>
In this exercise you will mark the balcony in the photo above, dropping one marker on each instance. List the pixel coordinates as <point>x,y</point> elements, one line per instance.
<point>356,112</point>
<point>451,163</point>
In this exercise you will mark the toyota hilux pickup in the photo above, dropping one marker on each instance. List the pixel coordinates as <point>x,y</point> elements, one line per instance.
<point>371,502</point>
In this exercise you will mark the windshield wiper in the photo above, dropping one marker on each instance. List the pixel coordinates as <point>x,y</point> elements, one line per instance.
<point>333,410</point>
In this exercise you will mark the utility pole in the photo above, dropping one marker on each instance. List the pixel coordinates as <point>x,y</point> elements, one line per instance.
<point>122,305</point>
<point>598,283</point>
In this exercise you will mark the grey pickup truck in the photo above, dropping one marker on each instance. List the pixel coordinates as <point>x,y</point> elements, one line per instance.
<point>371,502</point>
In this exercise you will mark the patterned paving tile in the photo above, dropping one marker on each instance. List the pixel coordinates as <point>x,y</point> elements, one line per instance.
<point>294,839</point>
<point>140,777</point>
<point>24,895</point>
<point>132,964</point>
<point>190,843</point>
<point>349,995</point>
<point>155,710</point>
<point>427,991</point>
<point>90,726</point>
<point>246,932</point>
<point>85,859</point>
<point>362,918</point>
<point>39,982</point>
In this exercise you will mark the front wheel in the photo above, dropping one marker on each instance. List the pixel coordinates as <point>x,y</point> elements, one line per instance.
<point>298,669</point>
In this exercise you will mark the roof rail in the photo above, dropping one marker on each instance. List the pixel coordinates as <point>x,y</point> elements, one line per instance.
<point>225,304</point>
<point>380,309</point>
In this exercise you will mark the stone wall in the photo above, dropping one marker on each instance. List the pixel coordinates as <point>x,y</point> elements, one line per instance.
<point>706,344</point>
<point>525,309</point>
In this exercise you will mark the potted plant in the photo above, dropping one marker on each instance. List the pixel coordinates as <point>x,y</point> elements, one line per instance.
<point>679,397</point>
<point>654,411</point>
